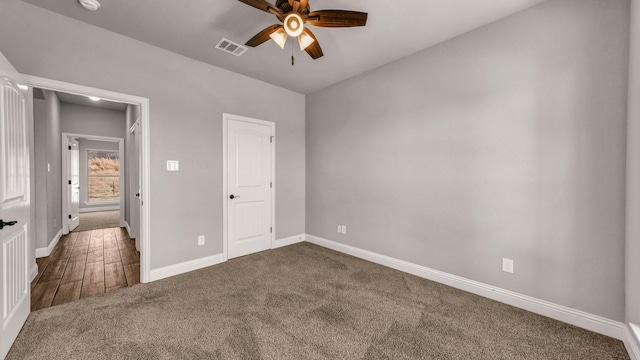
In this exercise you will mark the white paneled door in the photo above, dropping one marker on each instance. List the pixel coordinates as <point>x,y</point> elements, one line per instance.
<point>74,184</point>
<point>249,186</point>
<point>14,213</point>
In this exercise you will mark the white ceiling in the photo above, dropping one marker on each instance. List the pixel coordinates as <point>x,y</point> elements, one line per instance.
<point>83,100</point>
<point>394,30</point>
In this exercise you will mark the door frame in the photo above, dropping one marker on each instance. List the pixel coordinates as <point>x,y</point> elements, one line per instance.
<point>65,172</point>
<point>145,149</point>
<point>225,191</point>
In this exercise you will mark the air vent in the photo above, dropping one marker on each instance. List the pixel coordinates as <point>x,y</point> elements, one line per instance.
<point>231,47</point>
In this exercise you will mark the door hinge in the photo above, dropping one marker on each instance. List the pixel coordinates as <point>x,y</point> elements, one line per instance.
<point>69,182</point>
<point>69,147</point>
<point>271,230</point>
<point>271,139</point>
<point>69,216</point>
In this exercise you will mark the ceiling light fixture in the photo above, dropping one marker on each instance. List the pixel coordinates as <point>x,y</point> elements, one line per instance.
<point>280,37</point>
<point>294,15</point>
<point>92,5</point>
<point>94,98</point>
<point>293,24</point>
<point>304,40</point>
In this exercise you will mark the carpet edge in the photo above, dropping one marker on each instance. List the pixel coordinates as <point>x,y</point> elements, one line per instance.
<point>579,318</point>
<point>187,266</point>
<point>632,341</point>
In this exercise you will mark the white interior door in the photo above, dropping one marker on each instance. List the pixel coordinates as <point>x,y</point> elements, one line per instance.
<point>249,181</point>
<point>135,184</point>
<point>14,212</point>
<point>74,183</point>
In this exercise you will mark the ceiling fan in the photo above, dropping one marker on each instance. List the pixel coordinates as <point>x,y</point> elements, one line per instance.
<point>294,14</point>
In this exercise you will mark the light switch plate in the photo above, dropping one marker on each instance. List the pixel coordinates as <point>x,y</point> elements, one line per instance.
<point>173,165</point>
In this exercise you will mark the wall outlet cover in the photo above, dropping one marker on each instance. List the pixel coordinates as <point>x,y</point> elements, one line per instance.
<point>507,265</point>
<point>173,165</point>
<point>201,240</point>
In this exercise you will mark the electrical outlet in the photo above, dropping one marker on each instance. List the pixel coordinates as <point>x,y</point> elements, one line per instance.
<point>48,167</point>
<point>173,165</point>
<point>344,229</point>
<point>339,229</point>
<point>507,265</point>
<point>201,240</point>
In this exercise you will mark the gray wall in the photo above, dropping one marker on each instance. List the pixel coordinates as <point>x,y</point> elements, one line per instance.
<point>84,145</point>
<point>87,120</point>
<point>633,173</point>
<point>53,157</point>
<point>40,156</point>
<point>5,65</point>
<point>508,141</point>
<point>187,99</point>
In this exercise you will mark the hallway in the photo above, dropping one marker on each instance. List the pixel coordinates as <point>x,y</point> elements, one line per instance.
<point>85,264</point>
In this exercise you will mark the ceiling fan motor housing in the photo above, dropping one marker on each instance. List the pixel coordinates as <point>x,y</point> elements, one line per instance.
<point>285,7</point>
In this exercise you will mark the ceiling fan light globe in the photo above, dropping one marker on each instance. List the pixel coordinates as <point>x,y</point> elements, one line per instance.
<point>304,40</point>
<point>279,37</point>
<point>91,5</point>
<point>293,24</point>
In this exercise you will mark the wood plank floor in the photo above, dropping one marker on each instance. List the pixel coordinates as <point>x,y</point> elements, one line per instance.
<point>84,264</point>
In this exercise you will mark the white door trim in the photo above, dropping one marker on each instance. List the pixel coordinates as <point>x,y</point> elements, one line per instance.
<point>225,121</point>
<point>145,147</point>
<point>65,171</point>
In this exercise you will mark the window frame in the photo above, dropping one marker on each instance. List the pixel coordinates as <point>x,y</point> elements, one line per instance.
<point>102,202</point>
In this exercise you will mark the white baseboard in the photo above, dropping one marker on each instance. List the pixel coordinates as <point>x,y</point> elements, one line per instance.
<point>565,314</point>
<point>126,226</point>
<point>46,251</point>
<point>632,341</point>
<point>181,268</point>
<point>33,272</point>
<point>99,208</point>
<point>288,241</point>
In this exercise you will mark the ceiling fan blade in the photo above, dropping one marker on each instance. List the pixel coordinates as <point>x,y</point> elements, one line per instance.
<point>337,18</point>
<point>262,36</point>
<point>262,5</point>
<point>314,50</point>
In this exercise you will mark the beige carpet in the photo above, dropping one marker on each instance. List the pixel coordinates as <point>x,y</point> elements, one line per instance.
<point>98,220</point>
<point>300,302</point>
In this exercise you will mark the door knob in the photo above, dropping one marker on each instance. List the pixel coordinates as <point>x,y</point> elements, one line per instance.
<point>3,224</point>
<point>233,197</point>
<point>138,195</point>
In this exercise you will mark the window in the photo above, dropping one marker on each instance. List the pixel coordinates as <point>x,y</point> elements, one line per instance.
<point>103,175</point>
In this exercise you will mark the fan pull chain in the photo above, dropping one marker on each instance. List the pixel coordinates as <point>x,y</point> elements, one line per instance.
<point>292,58</point>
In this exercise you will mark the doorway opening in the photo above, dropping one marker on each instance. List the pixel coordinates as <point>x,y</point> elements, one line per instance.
<point>85,187</point>
<point>94,180</point>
